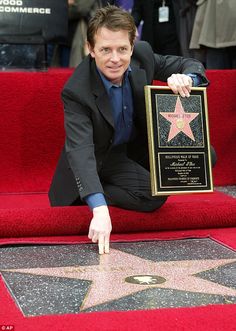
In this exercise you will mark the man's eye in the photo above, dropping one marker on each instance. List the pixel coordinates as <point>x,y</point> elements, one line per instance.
<point>123,49</point>
<point>105,50</point>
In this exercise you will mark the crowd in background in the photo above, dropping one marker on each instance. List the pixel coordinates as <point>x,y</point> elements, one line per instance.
<point>201,29</point>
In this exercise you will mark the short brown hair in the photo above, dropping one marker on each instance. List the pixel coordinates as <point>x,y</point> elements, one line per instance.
<point>112,18</point>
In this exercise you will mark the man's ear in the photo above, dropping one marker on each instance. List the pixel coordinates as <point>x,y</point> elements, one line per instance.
<point>90,49</point>
<point>132,49</point>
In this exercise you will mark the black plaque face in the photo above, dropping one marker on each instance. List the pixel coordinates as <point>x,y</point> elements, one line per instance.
<point>178,137</point>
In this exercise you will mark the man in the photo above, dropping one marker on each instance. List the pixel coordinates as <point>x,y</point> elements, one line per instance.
<point>159,26</point>
<point>105,157</point>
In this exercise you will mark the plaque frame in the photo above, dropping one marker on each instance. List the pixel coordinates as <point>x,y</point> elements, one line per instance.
<point>180,161</point>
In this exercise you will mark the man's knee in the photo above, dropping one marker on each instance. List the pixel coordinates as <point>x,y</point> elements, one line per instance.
<point>152,204</point>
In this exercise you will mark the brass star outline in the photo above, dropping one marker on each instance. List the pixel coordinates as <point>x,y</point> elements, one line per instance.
<point>108,277</point>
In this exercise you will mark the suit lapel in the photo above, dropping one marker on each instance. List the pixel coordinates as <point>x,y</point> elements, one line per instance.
<point>101,98</point>
<point>138,80</point>
<point>104,106</point>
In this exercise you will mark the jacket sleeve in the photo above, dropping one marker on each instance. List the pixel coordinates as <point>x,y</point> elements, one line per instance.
<point>167,65</point>
<point>79,146</point>
<point>160,67</point>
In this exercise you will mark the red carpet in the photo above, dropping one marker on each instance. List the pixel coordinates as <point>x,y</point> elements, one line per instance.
<point>32,134</point>
<point>190,212</point>
<point>226,236</point>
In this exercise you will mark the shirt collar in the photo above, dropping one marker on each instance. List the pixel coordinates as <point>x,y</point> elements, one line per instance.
<point>108,84</point>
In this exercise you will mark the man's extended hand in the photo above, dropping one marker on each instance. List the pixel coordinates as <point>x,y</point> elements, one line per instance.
<point>180,83</point>
<point>100,228</point>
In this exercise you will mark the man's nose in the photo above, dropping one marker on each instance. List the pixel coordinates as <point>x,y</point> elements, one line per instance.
<point>115,56</point>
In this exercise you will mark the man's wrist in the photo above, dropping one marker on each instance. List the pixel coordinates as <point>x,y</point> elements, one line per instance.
<point>101,209</point>
<point>95,200</point>
<point>196,79</point>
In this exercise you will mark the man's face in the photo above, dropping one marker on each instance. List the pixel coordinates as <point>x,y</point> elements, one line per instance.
<point>112,53</point>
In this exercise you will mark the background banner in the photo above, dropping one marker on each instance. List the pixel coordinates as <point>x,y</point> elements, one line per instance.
<point>33,21</point>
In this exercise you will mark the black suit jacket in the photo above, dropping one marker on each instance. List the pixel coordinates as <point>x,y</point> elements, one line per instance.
<point>89,123</point>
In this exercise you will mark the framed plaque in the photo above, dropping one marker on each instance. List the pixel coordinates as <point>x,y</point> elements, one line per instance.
<point>178,139</point>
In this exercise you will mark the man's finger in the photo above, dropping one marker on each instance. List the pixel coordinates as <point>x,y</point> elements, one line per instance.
<point>101,244</point>
<point>95,238</point>
<point>185,92</point>
<point>172,85</point>
<point>107,243</point>
<point>180,85</point>
<point>106,247</point>
<point>188,82</point>
<point>91,233</point>
<point>186,85</point>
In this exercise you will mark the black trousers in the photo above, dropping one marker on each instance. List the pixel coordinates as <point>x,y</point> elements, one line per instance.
<point>127,184</point>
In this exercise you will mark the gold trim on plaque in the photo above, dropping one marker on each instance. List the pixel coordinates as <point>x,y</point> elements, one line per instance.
<point>150,137</point>
<point>155,148</point>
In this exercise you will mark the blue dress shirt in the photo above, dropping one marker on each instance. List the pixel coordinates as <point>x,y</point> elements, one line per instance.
<point>121,100</point>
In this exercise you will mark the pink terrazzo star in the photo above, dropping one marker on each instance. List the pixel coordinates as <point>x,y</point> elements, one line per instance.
<point>109,277</point>
<point>179,120</point>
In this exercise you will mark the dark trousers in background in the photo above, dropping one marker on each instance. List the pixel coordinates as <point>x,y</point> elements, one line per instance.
<point>221,58</point>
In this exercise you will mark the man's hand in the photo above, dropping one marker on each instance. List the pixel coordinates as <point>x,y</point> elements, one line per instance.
<point>100,228</point>
<point>180,83</point>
